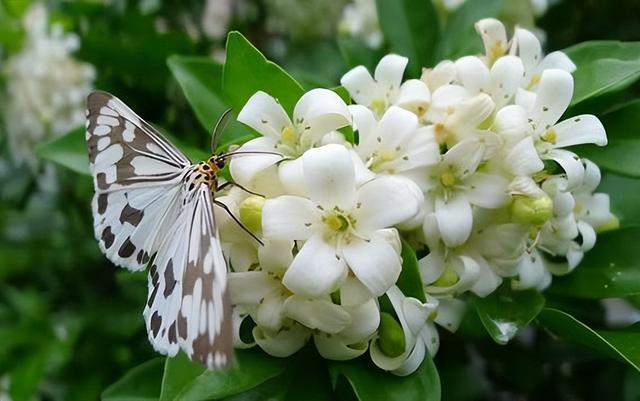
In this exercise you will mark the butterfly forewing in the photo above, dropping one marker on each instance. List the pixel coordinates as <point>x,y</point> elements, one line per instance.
<point>147,210</point>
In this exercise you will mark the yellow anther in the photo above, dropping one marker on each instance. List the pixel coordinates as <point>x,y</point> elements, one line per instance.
<point>496,51</point>
<point>337,222</point>
<point>289,135</point>
<point>550,136</point>
<point>387,155</point>
<point>378,106</point>
<point>535,78</point>
<point>448,179</point>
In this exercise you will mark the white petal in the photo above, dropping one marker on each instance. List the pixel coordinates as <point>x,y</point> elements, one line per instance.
<point>493,33</point>
<point>238,316</point>
<point>365,319</point>
<point>288,218</point>
<point>464,157</point>
<point>394,127</point>
<point>487,280</point>
<point>529,50</point>
<point>487,190</point>
<point>511,123</point>
<point>390,70</point>
<point>531,271</point>
<point>506,75</point>
<point>376,263</point>
<point>571,165</point>
<point>442,74</point>
<point>275,256</point>
<point>431,266</point>
<point>330,176</point>
<point>557,60</point>
<point>291,175</point>
<point>470,113</point>
<point>353,293</point>
<point>413,361</point>
<point>592,176</point>
<point>473,74</point>
<point>245,168</point>
<point>450,313</point>
<point>417,313</point>
<point>334,348</point>
<point>364,122</point>
<point>588,236</point>
<point>360,85</point>
<point>553,97</point>
<point>265,115</point>
<point>386,201</point>
<point>242,255</point>
<point>250,287</point>
<point>320,111</point>
<point>414,96</point>
<point>283,343</point>
<point>270,314</point>
<point>454,218</point>
<point>317,314</point>
<point>316,269</point>
<point>523,158</point>
<point>525,99</point>
<point>578,130</point>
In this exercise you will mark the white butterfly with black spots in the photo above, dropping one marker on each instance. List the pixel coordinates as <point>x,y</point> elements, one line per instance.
<point>152,206</point>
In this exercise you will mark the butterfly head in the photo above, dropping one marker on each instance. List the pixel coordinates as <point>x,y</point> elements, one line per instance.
<point>216,163</point>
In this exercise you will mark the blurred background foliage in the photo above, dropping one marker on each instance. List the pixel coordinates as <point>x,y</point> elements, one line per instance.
<point>70,322</point>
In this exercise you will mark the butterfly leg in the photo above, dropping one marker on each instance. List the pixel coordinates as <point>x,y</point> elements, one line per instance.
<point>230,183</point>
<point>226,209</point>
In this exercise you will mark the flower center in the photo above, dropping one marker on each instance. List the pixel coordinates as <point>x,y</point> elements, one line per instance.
<point>448,179</point>
<point>337,222</point>
<point>550,136</point>
<point>289,136</point>
<point>535,78</point>
<point>378,106</point>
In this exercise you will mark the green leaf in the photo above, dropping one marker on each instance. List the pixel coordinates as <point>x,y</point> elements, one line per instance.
<point>603,66</point>
<point>621,344</point>
<point>410,281</point>
<point>355,52</point>
<point>370,383</point>
<point>26,376</point>
<point>623,131</point>
<point>188,381</point>
<point>623,195</point>
<point>201,81</point>
<point>411,28</point>
<point>69,150</point>
<point>610,269</point>
<point>506,311</point>
<point>247,71</point>
<point>141,383</point>
<point>459,36</point>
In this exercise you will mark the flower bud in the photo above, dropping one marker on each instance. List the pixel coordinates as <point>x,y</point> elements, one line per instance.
<point>251,213</point>
<point>532,210</point>
<point>392,342</point>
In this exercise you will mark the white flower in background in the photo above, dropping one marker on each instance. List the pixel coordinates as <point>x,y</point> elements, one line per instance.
<point>386,88</point>
<point>215,18</point>
<point>46,86</point>
<point>345,228</point>
<point>394,144</point>
<point>360,19</point>
<point>318,113</point>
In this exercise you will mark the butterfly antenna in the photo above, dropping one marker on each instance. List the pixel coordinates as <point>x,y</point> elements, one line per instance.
<point>217,130</point>
<point>248,152</point>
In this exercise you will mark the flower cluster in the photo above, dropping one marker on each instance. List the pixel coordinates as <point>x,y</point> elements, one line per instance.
<point>468,164</point>
<point>46,86</point>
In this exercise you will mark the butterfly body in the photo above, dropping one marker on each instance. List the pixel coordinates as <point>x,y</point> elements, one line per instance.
<point>152,206</point>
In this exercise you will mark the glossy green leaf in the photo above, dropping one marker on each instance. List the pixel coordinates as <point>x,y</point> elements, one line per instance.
<point>411,28</point>
<point>188,381</point>
<point>201,81</point>
<point>603,66</point>
<point>623,196</point>
<point>26,376</point>
<point>141,383</point>
<point>610,269</point>
<point>410,281</point>
<point>370,383</point>
<point>506,311</point>
<point>623,131</point>
<point>459,37</point>
<point>621,344</point>
<point>247,71</point>
<point>69,150</point>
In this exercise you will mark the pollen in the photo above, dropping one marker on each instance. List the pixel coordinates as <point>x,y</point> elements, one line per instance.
<point>535,78</point>
<point>378,106</point>
<point>496,51</point>
<point>387,155</point>
<point>448,179</point>
<point>289,135</point>
<point>550,136</point>
<point>337,222</point>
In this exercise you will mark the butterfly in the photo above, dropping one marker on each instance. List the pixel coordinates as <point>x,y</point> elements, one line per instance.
<point>153,206</point>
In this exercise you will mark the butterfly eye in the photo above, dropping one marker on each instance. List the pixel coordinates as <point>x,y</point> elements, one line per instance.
<point>220,163</point>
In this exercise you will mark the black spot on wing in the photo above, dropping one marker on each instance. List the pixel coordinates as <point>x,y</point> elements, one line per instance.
<point>173,334</point>
<point>107,237</point>
<point>131,215</point>
<point>152,296</point>
<point>156,322</point>
<point>169,279</point>
<point>127,248</point>
<point>102,203</point>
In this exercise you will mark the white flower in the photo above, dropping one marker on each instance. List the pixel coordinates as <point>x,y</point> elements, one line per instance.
<point>46,87</point>
<point>360,19</point>
<point>386,88</point>
<point>501,82</point>
<point>317,113</point>
<point>215,18</point>
<point>345,228</point>
<point>394,144</point>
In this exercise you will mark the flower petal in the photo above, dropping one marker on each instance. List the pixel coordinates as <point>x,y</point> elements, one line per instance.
<point>487,280</point>
<point>431,266</point>
<point>385,202</point>
<point>442,74</point>
<point>557,60</point>
<point>320,111</point>
<point>275,256</point>
<point>365,319</point>
<point>288,218</point>
<point>506,75</point>
<point>353,293</point>
<point>553,97</point>
<point>487,190</point>
<point>511,123</point>
<point>360,85</point>
<point>464,157</point>
<point>473,74</point>
<point>414,96</point>
<point>450,313</point>
<point>334,348</point>
<point>316,270</point>
<point>270,315</point>
<point>579,130</point>
<point>494,36</point>
<point>454,218</point>
<point>364,121</point>
<point>291,175</point>
<point>529,50</point>
<point>245,168</point>
<point>523,158</point>
<point>571,165</point>
<point>264,114</point>
<point>330,176</point>
<point>376,263</point>
<point>250,287</point>
<point>317,314</point>
<point>283,343</point>
<point>390,70</point>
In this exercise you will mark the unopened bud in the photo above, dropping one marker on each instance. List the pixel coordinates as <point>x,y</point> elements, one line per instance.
<point>392,342</point>
<point>532,210</point>
<point>251,213</point>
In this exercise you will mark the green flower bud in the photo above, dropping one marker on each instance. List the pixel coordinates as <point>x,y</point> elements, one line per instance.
<point>448,278</point>
<point>532,210</point>
<point>391,340</point>
<point>251,213</point>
